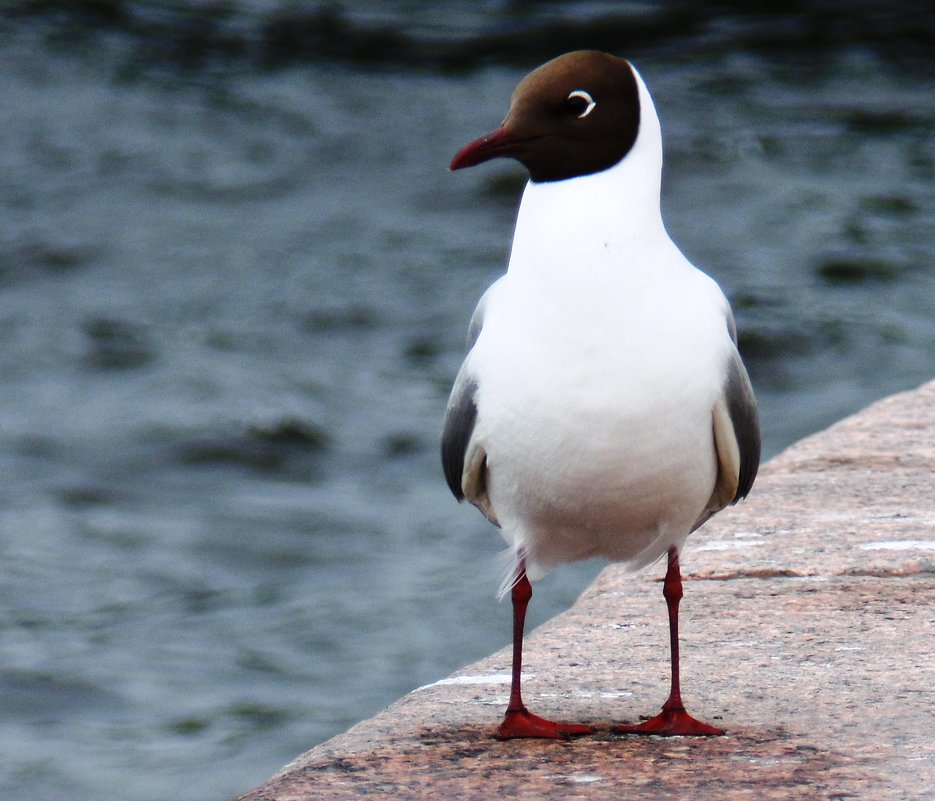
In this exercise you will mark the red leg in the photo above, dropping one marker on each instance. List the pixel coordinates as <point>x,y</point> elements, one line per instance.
<point>519,721</point>
<point>673,720</point>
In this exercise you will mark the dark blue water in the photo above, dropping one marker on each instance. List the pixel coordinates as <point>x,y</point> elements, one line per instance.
<point>235,276</point>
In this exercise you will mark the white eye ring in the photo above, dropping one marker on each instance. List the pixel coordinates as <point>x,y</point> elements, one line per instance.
<point>587,99</point>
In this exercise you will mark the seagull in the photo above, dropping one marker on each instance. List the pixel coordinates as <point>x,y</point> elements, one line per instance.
<point>602,409</point>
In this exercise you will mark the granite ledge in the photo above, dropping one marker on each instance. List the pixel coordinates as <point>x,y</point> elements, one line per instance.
<point>807,627</point>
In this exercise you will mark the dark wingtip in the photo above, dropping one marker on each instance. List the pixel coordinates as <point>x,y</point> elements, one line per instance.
<point>456,434</point>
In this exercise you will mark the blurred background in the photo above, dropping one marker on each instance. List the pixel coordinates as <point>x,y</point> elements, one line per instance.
<point>235,277</point>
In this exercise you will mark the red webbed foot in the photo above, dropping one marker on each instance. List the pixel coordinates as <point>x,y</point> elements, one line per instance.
<point>522,723</point>
<point>671,723</point>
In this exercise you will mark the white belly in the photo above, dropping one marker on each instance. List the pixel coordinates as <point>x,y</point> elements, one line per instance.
<point>599,446</point>
<point>625,489</point>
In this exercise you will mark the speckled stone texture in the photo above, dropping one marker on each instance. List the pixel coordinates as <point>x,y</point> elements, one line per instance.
<point>808,628</point>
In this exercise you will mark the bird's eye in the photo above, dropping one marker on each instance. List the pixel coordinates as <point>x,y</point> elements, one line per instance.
<point>580,103</point>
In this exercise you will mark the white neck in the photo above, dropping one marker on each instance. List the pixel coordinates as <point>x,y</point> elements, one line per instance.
<point>612,210</point>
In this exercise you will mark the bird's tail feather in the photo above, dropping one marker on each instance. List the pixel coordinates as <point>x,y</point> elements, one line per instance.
<point>508,566</point>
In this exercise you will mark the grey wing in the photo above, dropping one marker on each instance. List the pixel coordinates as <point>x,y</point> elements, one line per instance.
<point>742,426</point>
<point>460,417</point>
<point>463,458</point>
<point>736,423</point>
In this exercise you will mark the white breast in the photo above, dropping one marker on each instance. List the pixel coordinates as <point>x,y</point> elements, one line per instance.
<point>595,399</point>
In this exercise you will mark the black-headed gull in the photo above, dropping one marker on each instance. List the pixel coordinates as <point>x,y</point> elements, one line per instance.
<point>603,408</point>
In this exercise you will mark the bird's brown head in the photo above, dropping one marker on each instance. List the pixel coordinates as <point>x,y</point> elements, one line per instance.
<point>575,115</point>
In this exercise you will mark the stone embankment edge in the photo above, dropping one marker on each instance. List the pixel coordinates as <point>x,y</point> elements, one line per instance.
<point>808,627</point>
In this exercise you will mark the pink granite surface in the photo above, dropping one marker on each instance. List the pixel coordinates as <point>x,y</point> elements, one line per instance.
<point>808,632</point>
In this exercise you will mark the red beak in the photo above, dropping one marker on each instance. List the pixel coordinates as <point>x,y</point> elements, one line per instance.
<point>496,144</point>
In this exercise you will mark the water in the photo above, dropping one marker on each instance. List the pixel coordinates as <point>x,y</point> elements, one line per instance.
<point>234,281</point>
